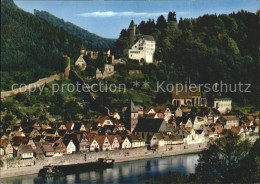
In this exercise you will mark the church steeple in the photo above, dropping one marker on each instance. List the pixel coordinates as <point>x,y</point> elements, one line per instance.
<point>131,116</point>
<point>132,107</point>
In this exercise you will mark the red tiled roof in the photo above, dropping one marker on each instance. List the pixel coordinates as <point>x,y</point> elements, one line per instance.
<point>91,137</point>
<point>69,125</point>
<point>139,108</point>
<point>236,130</point>
<point>231,117</point>
<point>160,115</point>
<point>208,129</point>
<point>101,119</point>
<point>26,148</point>
<point>20,140</point>
<point>100,139</point>
<point>251,118</point>
<point>111,138</point>
<point>218,129</point>
<point>47,148</point>
<point>17,133</point>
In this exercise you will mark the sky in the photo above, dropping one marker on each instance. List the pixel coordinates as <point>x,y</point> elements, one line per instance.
<point>108,18</point>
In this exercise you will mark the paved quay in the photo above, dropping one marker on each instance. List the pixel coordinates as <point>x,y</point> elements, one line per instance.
<point>11,172</point>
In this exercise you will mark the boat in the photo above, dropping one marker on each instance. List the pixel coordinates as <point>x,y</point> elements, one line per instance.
<point>49,171</point>
<point>53,170</point>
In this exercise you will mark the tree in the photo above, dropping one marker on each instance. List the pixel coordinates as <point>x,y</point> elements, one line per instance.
<point>171,17</point>
<point>8,119</point>
<point>161,22</point>
<point>222,161</point>
<point>251,165</point>
<point>161,97</point>
<point>71,109</point>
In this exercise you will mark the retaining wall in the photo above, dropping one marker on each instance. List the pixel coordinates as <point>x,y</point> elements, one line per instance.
<point>31,86</point>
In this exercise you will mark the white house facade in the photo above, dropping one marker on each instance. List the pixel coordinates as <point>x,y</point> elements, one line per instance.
<point>223,105</point>
<point>71,147</point>
<point>195,137</point>
<point>126,144</point>
<point>144,48</point>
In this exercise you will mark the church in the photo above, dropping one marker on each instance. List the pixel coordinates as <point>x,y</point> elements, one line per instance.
<point>143,49</point>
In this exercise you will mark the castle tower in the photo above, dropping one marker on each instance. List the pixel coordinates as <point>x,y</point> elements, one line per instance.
<point>67,67</point>
<point>82,50</point>
<point>131,30</point>
<point>131,117</point>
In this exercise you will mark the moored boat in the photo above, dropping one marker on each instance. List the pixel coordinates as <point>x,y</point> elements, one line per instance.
<point>100,164</point>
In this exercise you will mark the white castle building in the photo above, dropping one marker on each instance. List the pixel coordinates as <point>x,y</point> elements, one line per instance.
<point>223,105</point>
<point>143,49</point>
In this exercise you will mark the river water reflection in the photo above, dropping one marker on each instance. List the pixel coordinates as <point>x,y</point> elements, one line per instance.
<point>126,172</point>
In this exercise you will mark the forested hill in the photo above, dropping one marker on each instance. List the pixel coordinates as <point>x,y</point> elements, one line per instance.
<point>209,48</point>
<point>31,47</point>
<point>83,34</point>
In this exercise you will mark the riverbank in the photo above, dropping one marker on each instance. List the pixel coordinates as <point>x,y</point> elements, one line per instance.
<point>160,154</point>
<point>141,171</point>
<point>11,172</point>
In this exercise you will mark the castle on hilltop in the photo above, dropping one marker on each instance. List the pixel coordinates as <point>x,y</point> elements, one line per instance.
<point>143,49</point>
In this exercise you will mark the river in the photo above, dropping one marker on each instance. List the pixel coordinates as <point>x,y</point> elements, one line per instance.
<point>125,172</point>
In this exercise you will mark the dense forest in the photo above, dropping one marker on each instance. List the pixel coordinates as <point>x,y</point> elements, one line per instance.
<point>87,37</point>
<point>31,48</point>
<point>208,49</point>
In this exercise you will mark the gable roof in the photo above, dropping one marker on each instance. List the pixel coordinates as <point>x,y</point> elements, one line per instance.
<point>18,133</point>
<point>50,131</point>
<point>62,132</point>
<point>159,136</point>
<point>47,148</point>
<point>160,108</point>
<point>77,126</point>
<point>236,130</point>
<point>251,118</point>
<point>111,138</point>
<point>26,148</point>
<point>135,138</point>
<point>150,125</point>
<point>207,111</point>
<point>186,93</point>
<point>148,37</point>
<point>184,119</point>
<point>74,137</point>
<point>20,140</point>
<point>67,141</point>
<point>4,142</point>
<point>139,108</point>
<point>69,125</point>
<point>160,115</point>
<point>231,117</point>
<point>102,118</point>
<point>100,139</point>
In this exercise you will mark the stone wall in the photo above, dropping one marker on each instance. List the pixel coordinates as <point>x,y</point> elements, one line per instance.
<point>17,162</point>
<point>181,147</point>
<point>31,86</point>
<point>131,72</point>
